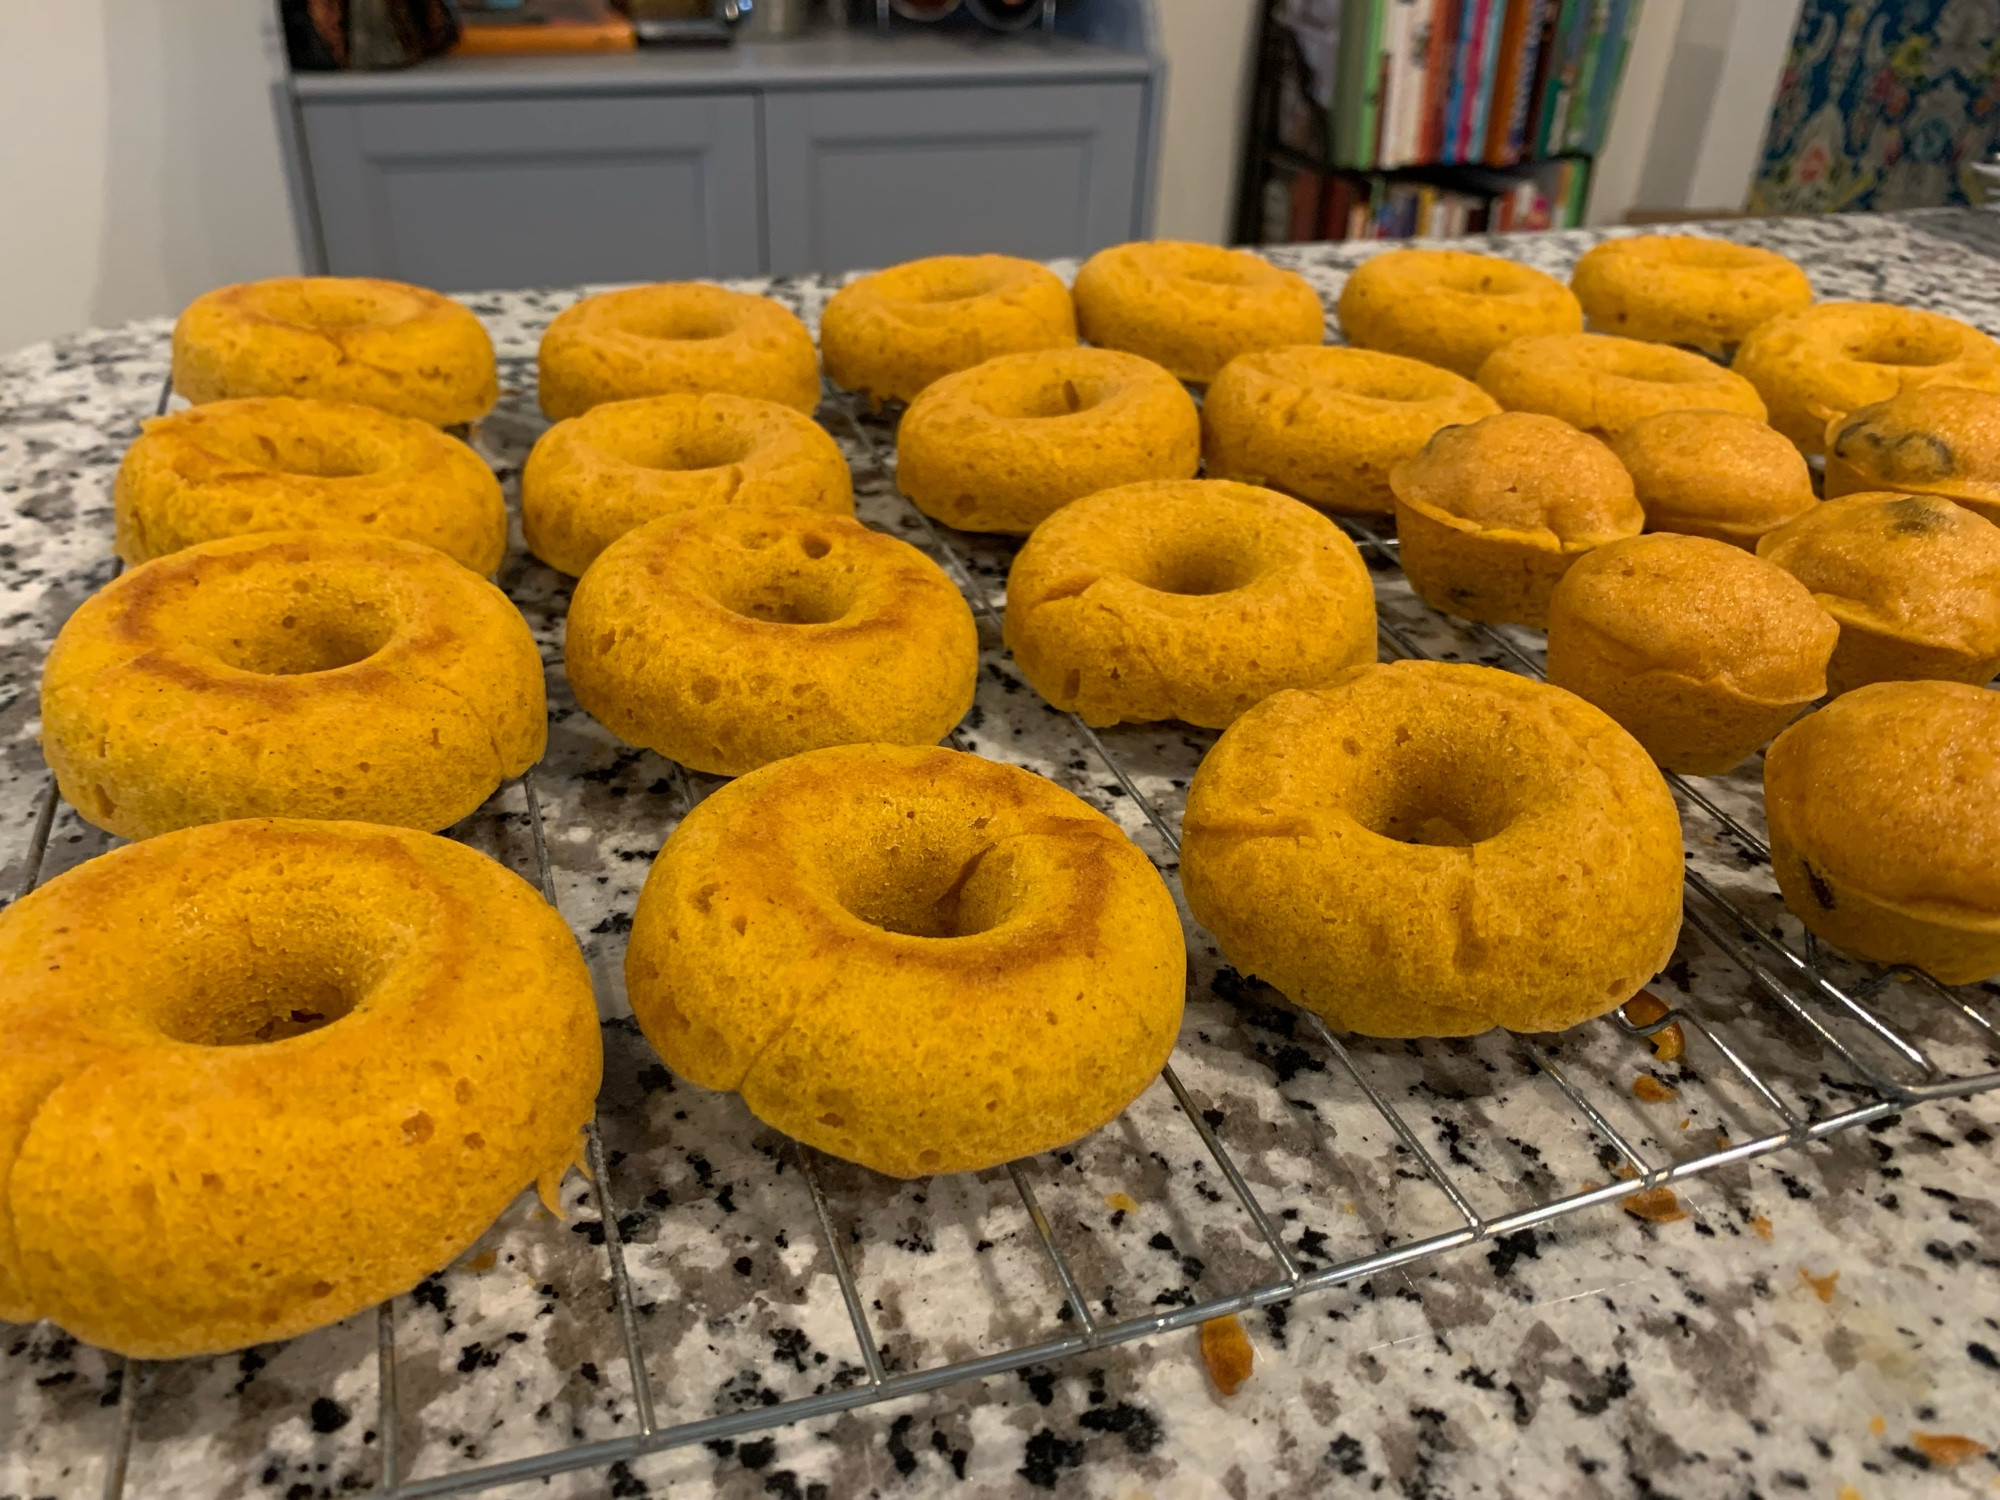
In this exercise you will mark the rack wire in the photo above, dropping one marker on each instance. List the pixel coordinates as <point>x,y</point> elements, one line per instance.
<point>1841,1012</point>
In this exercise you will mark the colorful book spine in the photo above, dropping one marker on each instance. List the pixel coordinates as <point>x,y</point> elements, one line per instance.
<point>1561,75</point>
<point>1472,140</point>
<point>1610,72</point>
<point>1461,70</point>
<point>1520,44</point>
<point>1576,119</point>
<point>1445,25</point>
<point>1358,91</point>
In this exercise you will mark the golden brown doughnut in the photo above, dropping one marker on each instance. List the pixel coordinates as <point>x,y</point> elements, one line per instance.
<point>1189,599</point>
<point>337,338</point>
<point>1193,308</point>
<point>1327,424</point>
<point>1450,307</point>
<point>262,1075</point>
<point>890,334</point>
<point>321,674</point>
<point>1602,385</point>
<point>1685,288</point>
<point>912,958</point>
<point>593,478</point>
<point>1424,849</point>
<point>281,463</point>
<point>678,338</point>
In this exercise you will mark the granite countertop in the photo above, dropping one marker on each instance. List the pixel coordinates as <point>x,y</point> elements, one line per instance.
<point>1814,1324</point>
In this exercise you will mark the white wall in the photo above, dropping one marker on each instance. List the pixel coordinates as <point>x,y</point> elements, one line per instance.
<point>1210,49</point>
<point>141,161</point>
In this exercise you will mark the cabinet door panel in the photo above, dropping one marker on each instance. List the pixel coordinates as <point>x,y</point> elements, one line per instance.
<point>463,194</point>
<point>869,178</point>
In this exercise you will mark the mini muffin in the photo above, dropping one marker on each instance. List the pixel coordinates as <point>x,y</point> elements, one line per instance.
<point>1884,810</point>
<point>591,479</point>
<point>1714,473</point>
<point>1000,446</point>
<point>1685,288</point>
<point>1700,650</point>
<point>1450,307</point>
<point>1493,514</point>
<point>1824,361</point>
<point>1190,600</point>
<point>1603,385</point>
<point>1193,308</point>
<point>1933,440</point>
<point>1328,424</point>
<point>890,334</point>
<point>1914,581</point>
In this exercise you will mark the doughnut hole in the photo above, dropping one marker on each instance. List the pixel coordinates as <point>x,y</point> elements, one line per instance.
<point>805,580</point>
<point>332,305</point>
<point>677,322</point>
<point>679,452</point>
<point>1918,347</point>
<point>924,872</point>
<point>304,450</point>
<point>1196,571</point>
<point>320,625</point>
<point>1452,792</point>
<point>1052,396</point>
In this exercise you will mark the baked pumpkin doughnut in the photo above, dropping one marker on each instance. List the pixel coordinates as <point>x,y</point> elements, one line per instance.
<point>911,958</point>
<point>338,338</point>
<point>1932,440</point>
<point>1189,599</point>
<point>282,463</point>
<point>677,338</point>
<point>1699,650</point>
<point>1491,515</point>
<point>1914,581</point>
<point>1427,849</point>
<point>1824,361</point>
<point>1686,288</point>
<point>258,1076</point>
<point>1000,446</point>
<point>891,334</point>
<point>727,638</point>
<point>1884,810</point>
<point>1450,307</point>
<point>1717,474</point>
<point>1193,308</point>
<point>591,479</point>
<point>295,674</point>
<point>1327,424</point>
<point>1603,385</point>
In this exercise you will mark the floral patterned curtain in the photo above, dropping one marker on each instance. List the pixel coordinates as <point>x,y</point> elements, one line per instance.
<point>1883,105</point>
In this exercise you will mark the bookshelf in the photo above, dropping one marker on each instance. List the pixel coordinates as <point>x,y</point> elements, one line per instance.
<point>1400,119</point>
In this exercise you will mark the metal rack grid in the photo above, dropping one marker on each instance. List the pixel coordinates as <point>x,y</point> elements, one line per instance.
<point>1889,1070</point>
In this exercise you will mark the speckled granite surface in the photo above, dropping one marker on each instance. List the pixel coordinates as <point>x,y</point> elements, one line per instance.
<point>1812,1313</point>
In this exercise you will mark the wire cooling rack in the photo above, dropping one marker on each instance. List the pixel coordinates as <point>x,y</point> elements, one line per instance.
<point>1425,1146</point>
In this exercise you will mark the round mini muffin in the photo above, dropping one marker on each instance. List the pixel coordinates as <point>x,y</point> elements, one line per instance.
<point>1933,440</point>
<point>1327,424</point>
<point>1000,446</point>
<point>1686,288</point>
<point>1193,308</point>
<point>1822,362</point>
<point>911,958</point>
<point>1716,474</point>
<point>315,674</point>
<point>1451,307</point>
<point>263,1075</point>
<point>1426,849</point>
<point>675,338</point>
<point>338,338</point>
<point>1700,650</point>
<point>1914,581</point>
<point>283,463</point>
<point>890,334</point>
<point>1493,514</point>
<point>1188,600</point>
<point>727,638</point>
<point>593,478</point>
<point>1602,385</point>
<point>1884,811</point>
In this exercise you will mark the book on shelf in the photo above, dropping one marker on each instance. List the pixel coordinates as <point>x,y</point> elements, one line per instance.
<point>1393,84</point>
<point>1305,204</point>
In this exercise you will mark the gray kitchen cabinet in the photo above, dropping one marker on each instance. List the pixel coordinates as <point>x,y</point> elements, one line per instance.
<point>1038,170</point>
<point>502,193</point>
<point>833,152</point>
